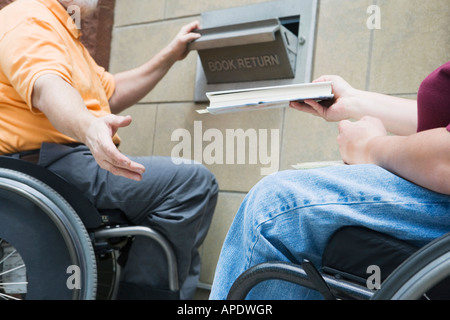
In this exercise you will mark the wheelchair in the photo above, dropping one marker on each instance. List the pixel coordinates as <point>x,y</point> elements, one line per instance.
<point>55,245</point>
<point>416,273</point>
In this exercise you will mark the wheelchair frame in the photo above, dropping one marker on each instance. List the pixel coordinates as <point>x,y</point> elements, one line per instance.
<point>78,222</point>
<point>421,272</point>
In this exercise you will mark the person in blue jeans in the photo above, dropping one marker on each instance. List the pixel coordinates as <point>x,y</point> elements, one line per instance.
<point>395,184</point>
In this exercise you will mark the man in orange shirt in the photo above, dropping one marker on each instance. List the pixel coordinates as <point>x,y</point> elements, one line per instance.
<point>56,100</point>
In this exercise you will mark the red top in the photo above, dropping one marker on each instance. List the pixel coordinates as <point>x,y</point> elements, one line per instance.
<point>433,100</point>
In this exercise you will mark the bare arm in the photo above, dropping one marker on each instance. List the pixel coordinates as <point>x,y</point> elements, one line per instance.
<point>422,158</point>
<point>398,115</point>
<point>133,85</point>
<point>66,110</point>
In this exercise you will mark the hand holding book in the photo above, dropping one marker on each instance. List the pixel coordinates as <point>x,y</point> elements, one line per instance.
<point>338,108</point>
<point>266,98</point>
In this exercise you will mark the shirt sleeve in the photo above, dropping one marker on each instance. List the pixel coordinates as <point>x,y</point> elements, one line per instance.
<point>30,50</point>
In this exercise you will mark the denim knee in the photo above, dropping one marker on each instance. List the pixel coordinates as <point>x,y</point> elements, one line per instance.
<point>269,194</point>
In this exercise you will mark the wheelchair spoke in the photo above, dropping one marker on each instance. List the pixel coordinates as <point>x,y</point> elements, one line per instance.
<point>8,297</point>
<point>4,259</point>
<point>13,278</point>
<point>4,284</point>
<point>11,270</point>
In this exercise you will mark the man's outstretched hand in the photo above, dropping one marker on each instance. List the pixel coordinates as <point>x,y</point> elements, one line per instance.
<point>99,141</point>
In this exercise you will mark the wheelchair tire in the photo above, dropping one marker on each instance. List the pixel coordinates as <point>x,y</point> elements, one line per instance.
<point>50,238</point>
<point>422,272</point>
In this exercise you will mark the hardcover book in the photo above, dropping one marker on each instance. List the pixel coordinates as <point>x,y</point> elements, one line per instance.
<point>222,102</point>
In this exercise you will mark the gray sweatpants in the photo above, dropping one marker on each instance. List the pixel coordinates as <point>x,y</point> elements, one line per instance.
<point>175,200</point>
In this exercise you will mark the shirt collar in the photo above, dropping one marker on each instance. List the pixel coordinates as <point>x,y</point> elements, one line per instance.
<point>61,13</point>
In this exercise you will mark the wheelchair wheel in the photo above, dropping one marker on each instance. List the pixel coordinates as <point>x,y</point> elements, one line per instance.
<point>46,252</point>
<point>424,272</point>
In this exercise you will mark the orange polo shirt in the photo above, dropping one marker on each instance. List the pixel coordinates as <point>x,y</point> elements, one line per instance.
<point>39,37</point>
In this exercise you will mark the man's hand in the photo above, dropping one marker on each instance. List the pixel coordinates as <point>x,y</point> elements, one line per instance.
<point>399,116</point>
<point>66,110</point>
<point>355,139</point>
<point>179,46</point>
<point>99,141</point>
<point>422,158</point>
<point>336,110</point>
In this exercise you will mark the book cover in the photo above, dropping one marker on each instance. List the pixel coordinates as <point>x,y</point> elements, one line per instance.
<point>265,98</point>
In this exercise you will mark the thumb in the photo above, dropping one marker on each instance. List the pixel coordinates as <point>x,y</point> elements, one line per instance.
<point>117,122</point>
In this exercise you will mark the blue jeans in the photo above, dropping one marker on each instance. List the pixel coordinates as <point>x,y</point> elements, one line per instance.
<point>289,216</point>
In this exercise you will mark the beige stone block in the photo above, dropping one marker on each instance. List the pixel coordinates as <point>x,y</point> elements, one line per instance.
<point>137,139</point>
<point>308,139</point>
<point>231,175</point>
<point>172,117</point>
<point>343,40</point>
<point>134,46</point>
<point>227,206</point>
<point>138,11</point>
<point>178,84</point>
<point>265,130</point>
<point>412,42</point>
<point>180,8</point>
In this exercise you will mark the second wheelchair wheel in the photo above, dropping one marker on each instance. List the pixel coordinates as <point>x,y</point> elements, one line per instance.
<point>425,275</point>
<point>45,253</point>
